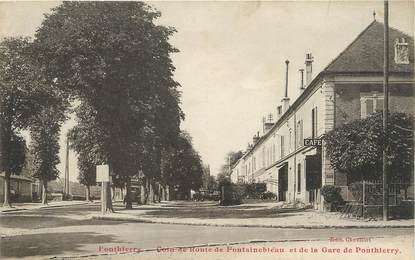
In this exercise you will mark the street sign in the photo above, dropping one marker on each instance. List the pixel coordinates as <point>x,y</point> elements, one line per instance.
<point>313,142</point>
<point>103,173</point>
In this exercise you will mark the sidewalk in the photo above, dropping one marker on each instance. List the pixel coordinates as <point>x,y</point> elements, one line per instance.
<point>31,206</point>
<point>269,215</point>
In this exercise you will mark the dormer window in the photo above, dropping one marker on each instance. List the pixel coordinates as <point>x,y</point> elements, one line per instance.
<point>401,51</point>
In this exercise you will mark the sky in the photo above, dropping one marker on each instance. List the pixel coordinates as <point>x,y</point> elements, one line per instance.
<point>231,64</point>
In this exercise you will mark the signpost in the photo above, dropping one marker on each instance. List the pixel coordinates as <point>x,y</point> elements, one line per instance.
<point>103,176</point>
<point>313,142</point>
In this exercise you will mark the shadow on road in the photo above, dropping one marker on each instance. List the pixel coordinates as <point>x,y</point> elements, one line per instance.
<point>216,213</point>
<point>53,243</point>
<point>38,222</point>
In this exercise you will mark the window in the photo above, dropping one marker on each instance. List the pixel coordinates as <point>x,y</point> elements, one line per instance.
<point>282,147</point>
<point>269,156</point>
<point>273,153</point>
<point>371,104</point>
<point>299,178</point>
<point>314,122</point>
<point>300,133</point>
<point>401,51</point>
<point>290,142</point>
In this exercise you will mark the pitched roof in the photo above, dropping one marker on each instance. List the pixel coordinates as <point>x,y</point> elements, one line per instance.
<point>365,53</point>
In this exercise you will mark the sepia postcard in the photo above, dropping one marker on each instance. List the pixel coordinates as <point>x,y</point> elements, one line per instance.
<point>207,129</point>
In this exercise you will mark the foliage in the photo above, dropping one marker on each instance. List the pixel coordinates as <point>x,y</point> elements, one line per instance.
<point>44,147</point>
<point>332,195</point>
<point>25,92</point>
<point>268,195</point>
<point>87,171</point>
<point>182,166</point>
<point>231,159</point>
<point>252,190</point>
<point>231,196</point>
<point>86,139</point>
<point>115,60</point>
<point>211,183</point>
<point>18,96</point>
<point>13,154</point>
<point>356,147</point>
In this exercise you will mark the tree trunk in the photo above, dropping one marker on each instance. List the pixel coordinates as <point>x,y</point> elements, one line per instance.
<point>106,202</point>
<point>166,193</point>
<point>145,186</point>
<point>159,192</point>
<point>128,199</point>
<point>45,192</point>
<point>154,192</point>
<point>150,187</point>
<point>7,201</point>
<point>88,193</point>
<point>109,200</point>
<point>113,192</point>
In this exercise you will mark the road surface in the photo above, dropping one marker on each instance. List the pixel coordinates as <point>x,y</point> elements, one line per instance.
<point>66,231</point>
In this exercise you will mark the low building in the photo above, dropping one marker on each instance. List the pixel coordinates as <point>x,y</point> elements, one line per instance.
<point>21,189</point>
<point>350,87</point>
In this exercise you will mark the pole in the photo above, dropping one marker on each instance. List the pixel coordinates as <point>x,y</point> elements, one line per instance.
<point>103,198</point>
<point>286,79</point>
<point>385,108</point>
<point>66,188</point>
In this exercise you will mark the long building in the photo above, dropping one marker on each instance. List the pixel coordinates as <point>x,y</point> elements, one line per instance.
<point>348,88</point>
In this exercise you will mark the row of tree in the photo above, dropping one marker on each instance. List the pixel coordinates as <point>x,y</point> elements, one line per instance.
<point>110,64</point>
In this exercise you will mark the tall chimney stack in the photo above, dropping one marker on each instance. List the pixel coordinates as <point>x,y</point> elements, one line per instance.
<point>308,68</point>
<point>286,100</point>
<point>302,80</point>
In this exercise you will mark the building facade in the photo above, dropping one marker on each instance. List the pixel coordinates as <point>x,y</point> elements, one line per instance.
<point>21,189</point>
<point>349,88</point>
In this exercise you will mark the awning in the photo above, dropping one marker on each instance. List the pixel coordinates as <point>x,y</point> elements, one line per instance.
<point>311,152</point>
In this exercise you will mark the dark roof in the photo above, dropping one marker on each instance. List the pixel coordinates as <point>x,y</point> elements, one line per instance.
<point>365,53</point>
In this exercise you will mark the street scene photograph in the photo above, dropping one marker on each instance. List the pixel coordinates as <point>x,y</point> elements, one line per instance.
<point>207,129</point>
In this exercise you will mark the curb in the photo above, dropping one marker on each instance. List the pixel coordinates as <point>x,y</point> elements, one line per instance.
<point>150,221</point>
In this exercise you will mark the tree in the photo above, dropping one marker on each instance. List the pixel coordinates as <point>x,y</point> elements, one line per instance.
<point>182,166</point>
<point>230,160</point>
<point>13,156</point>
<point>211,183</point>
<point>87,173</point>
<point>87,140</point>
<point>20,98</point>
<point>44,146</point>
<point>116,60</point>
<point>356,147</point>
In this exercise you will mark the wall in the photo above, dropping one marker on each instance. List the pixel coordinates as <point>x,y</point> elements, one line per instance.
<point>350,90</point>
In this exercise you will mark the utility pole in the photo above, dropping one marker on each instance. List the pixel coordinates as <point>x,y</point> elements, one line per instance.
<point>385,186</point>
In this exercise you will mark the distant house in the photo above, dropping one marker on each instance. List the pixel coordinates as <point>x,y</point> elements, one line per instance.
<point>348,88</point>
<point>20,188</point>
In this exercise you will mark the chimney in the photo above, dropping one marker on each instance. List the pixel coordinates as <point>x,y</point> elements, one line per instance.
<point>286,100</point>
<point>302,81</point>
<point>269,123</point>
<point>279,111</point>
<point>255,139</point>
<point>308,68</point>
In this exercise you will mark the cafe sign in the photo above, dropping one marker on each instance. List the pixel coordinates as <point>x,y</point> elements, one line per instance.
<point>313,142</point>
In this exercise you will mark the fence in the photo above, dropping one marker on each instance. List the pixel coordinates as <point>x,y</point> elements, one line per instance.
<point>365,199</point>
